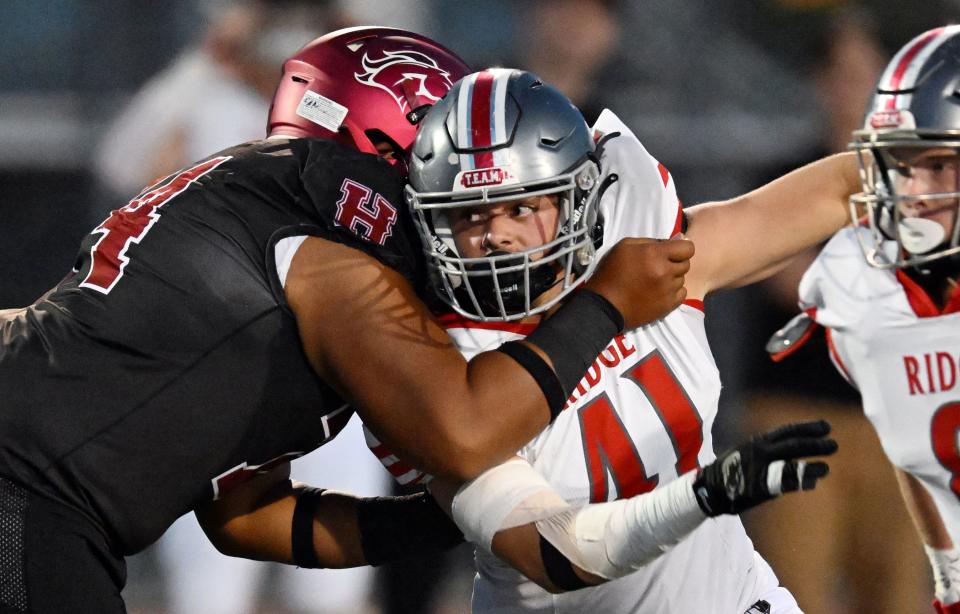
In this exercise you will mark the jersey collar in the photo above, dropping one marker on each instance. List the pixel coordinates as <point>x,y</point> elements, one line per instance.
<point>921,303</point>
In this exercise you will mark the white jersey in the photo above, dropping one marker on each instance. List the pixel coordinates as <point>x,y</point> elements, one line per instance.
<point>891,342</point>
<point>640,418</point>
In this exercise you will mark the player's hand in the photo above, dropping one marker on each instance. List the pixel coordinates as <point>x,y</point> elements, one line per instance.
<point>764,467</point>
<point>643,278</point>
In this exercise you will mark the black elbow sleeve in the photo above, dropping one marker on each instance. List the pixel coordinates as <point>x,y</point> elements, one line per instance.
<point>393,528</point>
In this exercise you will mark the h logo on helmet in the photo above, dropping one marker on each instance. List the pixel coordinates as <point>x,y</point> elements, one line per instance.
<point>412,78</point>
<point>354,210</point>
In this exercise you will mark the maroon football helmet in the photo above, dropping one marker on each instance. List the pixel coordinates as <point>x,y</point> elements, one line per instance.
<point>363,82</point>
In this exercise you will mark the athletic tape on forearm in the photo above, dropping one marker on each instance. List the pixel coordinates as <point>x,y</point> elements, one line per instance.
<point>506,496</point>
<point>575,335</point>
<point>614,539</point>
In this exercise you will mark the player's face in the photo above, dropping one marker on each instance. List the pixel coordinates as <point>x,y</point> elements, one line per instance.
<point>922,173</point>
<point>511,226</point>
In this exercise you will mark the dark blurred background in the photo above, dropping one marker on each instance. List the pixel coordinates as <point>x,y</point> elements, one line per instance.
<point>98,97</point>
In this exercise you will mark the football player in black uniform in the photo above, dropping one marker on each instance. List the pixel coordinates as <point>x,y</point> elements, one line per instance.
<point>227,319</point>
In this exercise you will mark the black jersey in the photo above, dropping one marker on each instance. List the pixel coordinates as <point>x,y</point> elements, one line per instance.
<point>167,367</point>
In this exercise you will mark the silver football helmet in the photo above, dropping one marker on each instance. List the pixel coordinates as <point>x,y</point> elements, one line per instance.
<point>502,135</point>
<point>914,113</point>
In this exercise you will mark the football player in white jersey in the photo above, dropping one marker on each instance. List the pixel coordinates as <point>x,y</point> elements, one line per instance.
<point>886,289</point>
<point>514,202</point>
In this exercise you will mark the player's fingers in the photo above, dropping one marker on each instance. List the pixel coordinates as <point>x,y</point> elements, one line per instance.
<point>814,471</point>
<point>681,295</point>
<point>676,282</point>
<point>816,428</point>
<point>679,250</point>
<point>788,476</point>
<point>680,268</point>
<point>800,447</point>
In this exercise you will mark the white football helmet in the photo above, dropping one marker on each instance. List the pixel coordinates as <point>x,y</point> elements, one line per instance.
<point>914,114</point>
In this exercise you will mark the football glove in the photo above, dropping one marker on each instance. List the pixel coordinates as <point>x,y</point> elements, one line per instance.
<point>764,467</point>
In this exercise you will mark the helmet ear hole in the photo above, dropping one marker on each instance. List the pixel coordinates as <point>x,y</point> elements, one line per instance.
<point>382,142</point>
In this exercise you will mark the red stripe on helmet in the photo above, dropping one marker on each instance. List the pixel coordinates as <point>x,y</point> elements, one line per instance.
<point>480,119</point>
<point>894,83</point>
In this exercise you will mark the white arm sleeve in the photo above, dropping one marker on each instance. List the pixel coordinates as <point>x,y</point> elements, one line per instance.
<point>609,540</point>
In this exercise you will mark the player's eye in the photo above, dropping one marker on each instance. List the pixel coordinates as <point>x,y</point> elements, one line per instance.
<point>470,215</point>
<point>904,170</point>
<point>476,216</point>
<point>523,209</point>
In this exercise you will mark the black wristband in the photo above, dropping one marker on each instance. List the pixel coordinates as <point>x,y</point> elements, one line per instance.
<point>301,538</point>
<point>541,373</point>
<point>393,528</point>
<point>575,335</point>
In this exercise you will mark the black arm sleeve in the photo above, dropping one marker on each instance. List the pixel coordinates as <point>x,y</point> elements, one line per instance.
<point>393,528</point>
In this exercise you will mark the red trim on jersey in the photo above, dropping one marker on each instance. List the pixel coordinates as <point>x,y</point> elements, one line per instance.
<point>921,303</point>
<point>953,305</point>
<point>400,468</point>
<point>455,320</point>
<point>664,174</point>
<point>480,119</point>
<point>380,451</point>
<point>678,224</point>
<point>897,77</point>
<point>919,300</point>
<point>835,356</point>
<point>397,468</point>
<point>807,334</point>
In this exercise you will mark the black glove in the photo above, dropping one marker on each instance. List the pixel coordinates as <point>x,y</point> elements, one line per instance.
<point>763,468</point>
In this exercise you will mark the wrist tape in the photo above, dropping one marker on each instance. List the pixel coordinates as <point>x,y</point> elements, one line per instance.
<point>609,540</point>
<point>614,539</point>
<point>946,573</point>
<point>506,496</point>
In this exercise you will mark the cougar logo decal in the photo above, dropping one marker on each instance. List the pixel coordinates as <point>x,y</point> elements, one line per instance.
<point>410,77</point>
